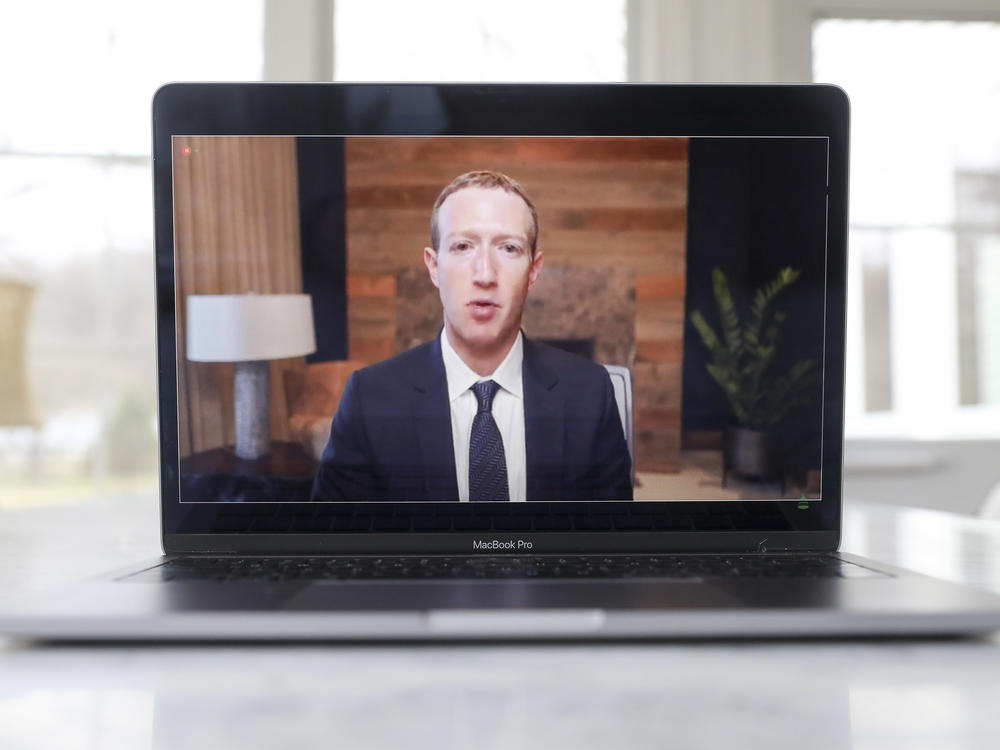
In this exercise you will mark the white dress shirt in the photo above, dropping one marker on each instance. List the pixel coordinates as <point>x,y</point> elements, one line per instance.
<point>508,413</point>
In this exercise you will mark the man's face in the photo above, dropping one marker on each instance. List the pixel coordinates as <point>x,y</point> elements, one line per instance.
<point>483,267</point>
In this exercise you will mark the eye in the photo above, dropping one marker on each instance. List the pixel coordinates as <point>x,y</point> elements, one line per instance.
<point>461,246</point>
<point>511,249</point>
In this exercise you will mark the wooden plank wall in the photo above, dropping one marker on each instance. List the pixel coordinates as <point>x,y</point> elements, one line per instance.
<point>236,231</point>
<point>601,202</point>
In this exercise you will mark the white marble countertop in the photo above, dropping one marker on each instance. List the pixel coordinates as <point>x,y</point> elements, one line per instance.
<point>813,694</point>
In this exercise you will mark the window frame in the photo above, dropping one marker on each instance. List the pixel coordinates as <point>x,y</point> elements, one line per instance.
<point>794,35</point>
<point>794,21</point>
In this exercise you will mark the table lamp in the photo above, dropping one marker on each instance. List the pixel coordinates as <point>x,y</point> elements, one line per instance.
<point>15,394</point>
<point>249,330</point>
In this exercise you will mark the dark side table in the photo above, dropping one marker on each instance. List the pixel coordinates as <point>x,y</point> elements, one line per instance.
<point>284,473</point>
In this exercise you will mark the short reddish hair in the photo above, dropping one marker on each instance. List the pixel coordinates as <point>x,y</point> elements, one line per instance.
<point>489,179</point>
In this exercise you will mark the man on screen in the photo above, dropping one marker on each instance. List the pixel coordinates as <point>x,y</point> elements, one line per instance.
<point>481,413</point>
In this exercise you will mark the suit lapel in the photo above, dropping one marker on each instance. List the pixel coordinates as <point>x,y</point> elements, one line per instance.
<point>543,425</point>
<point>432,420</point>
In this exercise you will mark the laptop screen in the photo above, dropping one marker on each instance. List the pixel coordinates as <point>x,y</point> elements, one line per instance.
<point>499,318</point>
<point>447,308</point>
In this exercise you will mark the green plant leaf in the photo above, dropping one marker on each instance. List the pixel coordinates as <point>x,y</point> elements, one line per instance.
<point>743,353</point>
<point>762,299</point>
<point>731,387</point>
<point>708,336</point>
<point>730,319</point>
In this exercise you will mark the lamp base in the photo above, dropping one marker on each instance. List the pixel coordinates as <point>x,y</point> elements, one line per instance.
<point>252,401</point>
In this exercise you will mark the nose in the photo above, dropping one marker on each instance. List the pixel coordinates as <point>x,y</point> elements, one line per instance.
<point>484,272</point>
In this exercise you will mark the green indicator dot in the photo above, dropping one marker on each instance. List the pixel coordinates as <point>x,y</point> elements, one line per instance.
<point>803,505</point>
<point>196,151</point>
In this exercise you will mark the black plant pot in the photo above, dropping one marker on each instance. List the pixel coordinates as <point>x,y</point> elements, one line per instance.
<point>749,453</point>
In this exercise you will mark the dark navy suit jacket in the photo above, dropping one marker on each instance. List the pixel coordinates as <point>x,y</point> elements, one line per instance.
<point>391,438</point>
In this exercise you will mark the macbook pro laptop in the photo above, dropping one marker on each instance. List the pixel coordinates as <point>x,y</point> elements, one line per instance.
<point>491,361</point>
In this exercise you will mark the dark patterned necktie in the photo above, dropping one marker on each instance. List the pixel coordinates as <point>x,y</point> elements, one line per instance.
<point>487,463</point>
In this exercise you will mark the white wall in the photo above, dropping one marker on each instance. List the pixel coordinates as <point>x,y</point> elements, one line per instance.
<point>703,41</point>
<point>298,40</point>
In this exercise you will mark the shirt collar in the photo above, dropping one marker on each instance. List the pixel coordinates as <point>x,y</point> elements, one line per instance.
<point>461,377</point>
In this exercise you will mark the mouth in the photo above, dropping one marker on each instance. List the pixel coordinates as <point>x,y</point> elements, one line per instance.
<point>483,309</point>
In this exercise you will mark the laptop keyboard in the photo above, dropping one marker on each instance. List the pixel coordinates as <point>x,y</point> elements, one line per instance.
<point>366,568</point>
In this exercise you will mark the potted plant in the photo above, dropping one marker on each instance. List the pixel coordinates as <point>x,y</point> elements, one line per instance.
<point>742,357</point>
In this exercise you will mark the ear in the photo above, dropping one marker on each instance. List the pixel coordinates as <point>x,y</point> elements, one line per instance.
<point>536,268</point>
<point>431,261</point>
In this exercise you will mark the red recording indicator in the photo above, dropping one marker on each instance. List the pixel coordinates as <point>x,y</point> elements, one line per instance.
<point>186,150</point>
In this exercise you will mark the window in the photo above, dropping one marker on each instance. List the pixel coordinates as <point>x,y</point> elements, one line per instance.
<point>479,40</point>
<point>76,257</point>
<point>923,317</point>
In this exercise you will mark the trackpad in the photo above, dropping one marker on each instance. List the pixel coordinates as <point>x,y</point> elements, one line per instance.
<point>633,595</point>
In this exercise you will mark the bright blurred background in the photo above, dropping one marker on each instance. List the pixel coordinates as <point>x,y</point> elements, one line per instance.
<point>77,382</point>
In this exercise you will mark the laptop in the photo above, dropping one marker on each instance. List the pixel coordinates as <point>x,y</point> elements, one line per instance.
<point>443,361</point>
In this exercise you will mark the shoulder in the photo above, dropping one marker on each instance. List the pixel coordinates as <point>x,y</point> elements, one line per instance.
<point>570,368</point>
<point>406,366</point>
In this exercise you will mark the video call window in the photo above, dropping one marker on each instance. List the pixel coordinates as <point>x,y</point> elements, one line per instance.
<point>499,319</point>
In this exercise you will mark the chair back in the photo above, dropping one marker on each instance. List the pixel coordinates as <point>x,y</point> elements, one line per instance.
<point>621,382</point>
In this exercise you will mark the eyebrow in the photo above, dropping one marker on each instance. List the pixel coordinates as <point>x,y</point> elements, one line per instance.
<point>476,236</point>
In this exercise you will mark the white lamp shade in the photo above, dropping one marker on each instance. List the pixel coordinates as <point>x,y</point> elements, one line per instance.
<point>248,327</point>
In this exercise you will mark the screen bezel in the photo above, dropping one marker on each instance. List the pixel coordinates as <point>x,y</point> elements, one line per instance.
<point>501,110</point>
